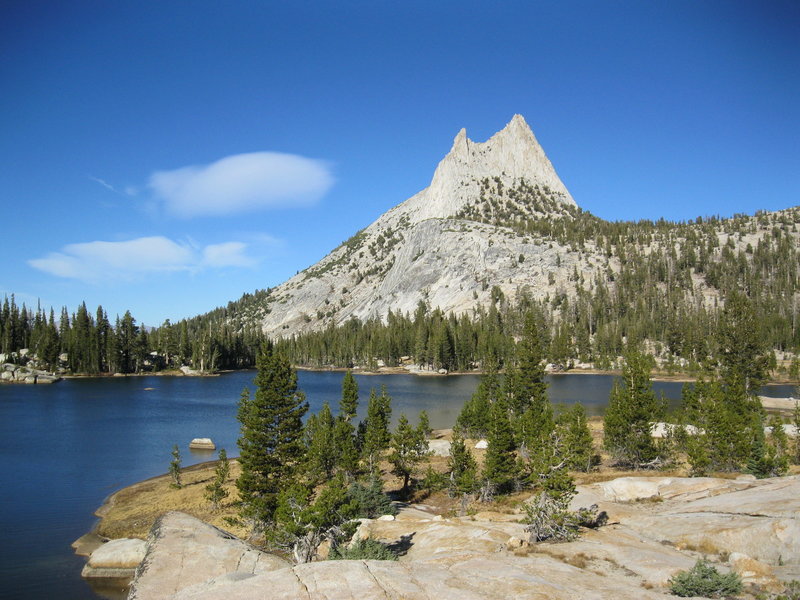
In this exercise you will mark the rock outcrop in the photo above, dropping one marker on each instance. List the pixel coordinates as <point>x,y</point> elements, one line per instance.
<point>115,559</point>
<point>437,246</point>
<point>11,373</point>
<point>202,444</point>
<point>659,526</point>
<point>182,551</point>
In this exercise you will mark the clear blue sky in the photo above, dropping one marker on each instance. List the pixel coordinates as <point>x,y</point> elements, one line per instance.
<point>168,156</point>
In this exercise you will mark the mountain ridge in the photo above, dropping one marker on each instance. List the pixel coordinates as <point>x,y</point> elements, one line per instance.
<point>493,227</point>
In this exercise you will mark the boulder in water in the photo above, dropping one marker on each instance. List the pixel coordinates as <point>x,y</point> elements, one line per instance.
<point>202,444</point>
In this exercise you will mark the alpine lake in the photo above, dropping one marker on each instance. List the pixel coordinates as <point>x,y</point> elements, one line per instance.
<point>68,446</point>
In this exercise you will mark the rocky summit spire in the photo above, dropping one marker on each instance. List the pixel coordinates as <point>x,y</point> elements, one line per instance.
<point>512,154</point>
<point>440,246</point>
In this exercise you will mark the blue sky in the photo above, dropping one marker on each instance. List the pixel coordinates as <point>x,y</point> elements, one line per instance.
<point>166,157</point>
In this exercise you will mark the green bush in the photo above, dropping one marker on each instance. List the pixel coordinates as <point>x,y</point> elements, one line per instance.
<point>372,502</point>
<point>704,580</point>
<point>363,550</point>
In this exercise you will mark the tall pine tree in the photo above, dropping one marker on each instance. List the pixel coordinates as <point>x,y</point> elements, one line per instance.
<point>270,445</point>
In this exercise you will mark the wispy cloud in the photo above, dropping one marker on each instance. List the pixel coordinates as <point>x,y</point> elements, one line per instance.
<point>128,191</point>
<point>101,261</point>
<point>242,183</point>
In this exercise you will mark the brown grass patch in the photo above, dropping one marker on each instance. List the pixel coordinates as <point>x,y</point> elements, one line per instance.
<point>132,511</point>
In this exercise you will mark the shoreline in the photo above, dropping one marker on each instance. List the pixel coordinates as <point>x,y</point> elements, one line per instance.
<point>657,376</point>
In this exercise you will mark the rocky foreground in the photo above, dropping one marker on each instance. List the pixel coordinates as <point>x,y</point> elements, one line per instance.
<point>658,526</point>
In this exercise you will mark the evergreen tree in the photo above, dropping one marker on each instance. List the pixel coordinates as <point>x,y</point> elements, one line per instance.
<point>548,515</point>
<point>215,491</point>
<point>321,451</point>
<point>630,414</point>
<point>577,437</point>
<point>346,452</point>
<point>499,468</point>
<point>271,436</point>
<point>175,467</point>
<point>463,468</point>
<point>348,406</point>
<point>765,460</point>
<point>780,441</point>
<point>527,388</point>
<point>743,357</point>
<point>376,427</point>
<point>408,448</point>
<point>425,424</point>
<point>126,334</point>
<point>370,499</point>
<point>474,419</point>
<point>304,520</point>
<point>796,423</point>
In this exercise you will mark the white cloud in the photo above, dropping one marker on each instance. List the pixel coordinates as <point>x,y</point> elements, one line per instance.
<point>242,183</point>
<point>101,261</point>
<point>228,254</point>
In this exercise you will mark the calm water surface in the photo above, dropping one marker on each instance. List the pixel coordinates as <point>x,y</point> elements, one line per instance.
<point>66,447</point>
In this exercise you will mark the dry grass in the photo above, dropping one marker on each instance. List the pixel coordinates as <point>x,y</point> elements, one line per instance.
<point>132,511</point>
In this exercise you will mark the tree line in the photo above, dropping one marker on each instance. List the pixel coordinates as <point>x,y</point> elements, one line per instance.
<point>90,343</point>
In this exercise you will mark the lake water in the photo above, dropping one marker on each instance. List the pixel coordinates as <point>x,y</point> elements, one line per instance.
<point>64,448</point>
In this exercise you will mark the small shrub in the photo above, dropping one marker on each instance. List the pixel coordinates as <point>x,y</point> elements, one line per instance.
<point>370,499</point>
<point>704,580</point>
<point>363,550</point>
<point>792,591</point>
<point>550,520</point>
<point>175,468</point>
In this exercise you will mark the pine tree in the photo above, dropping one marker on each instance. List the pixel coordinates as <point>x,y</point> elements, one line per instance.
<point>547,514</point>
<point>499,468</point>
<point>780,442</point>
<point>321,451</point>
<point>348,405</point>
<point>425,424</point>
<point>528,389</point>
<point>304,520</point>
<point>742,352</point>
<point>346,453</point>
<point>474,419</point>
<point>408,448</point>
<point>577,437</point>
<point>215,491</point>
<point>376,427</point>
<point>631,411</point>
<point>796,423</point>
<point>271,436</point>
<point>765,459</point>
<point>175,467</point>
<point>463,468</point>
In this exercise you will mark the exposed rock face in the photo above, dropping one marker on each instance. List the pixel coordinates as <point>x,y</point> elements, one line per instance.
<point>11,373</point>
<point>182,551</point>
<point>660,525</point>
<point>117,558</point>
<point>439,447</point>
<point>433,248</point>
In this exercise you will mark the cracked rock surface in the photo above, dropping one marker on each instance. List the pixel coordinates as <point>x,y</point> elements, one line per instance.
<point>659,526</point>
